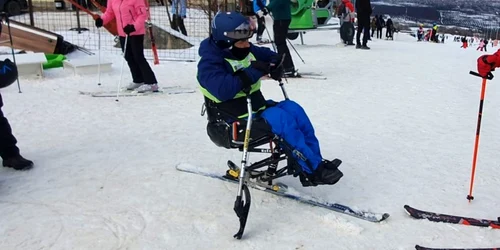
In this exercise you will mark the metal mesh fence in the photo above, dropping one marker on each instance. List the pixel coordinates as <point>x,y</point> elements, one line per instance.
<point>78,27</point>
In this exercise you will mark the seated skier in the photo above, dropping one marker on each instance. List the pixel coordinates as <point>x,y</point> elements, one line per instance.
<point>231,66</point>
<point>420,33</point>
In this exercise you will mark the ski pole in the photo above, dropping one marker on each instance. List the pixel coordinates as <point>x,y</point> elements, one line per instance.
<point>293,47</point>
<point>270,38</point>
<point>12,47</point>
<point>478,129</point>
<point>121,71</point>
<point>99,50</point>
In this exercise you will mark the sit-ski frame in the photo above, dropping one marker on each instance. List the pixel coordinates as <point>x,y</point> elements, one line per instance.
<point>241,208</point>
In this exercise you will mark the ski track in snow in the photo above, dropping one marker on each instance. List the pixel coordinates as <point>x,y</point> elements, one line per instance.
<point>401,116</point>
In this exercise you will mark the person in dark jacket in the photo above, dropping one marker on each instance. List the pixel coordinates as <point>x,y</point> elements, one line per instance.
<point>389,28</point>
<point>231,66</point>
<point>9,152</point>
<point>364,10</point>
<point>373,25</point>
<point>282,17</point>
<point>380,26</point>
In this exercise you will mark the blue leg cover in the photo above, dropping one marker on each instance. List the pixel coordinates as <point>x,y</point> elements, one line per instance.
<point>289,121</point>
<point>305,125</point>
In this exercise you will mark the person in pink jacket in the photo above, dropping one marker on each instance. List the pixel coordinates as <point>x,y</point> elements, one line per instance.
<point>131,18</point>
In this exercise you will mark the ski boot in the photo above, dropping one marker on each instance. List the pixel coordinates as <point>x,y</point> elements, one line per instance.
<point>262,41</point>
<point>134,85</point>
<point>327,173</point>
<point>292,73</point>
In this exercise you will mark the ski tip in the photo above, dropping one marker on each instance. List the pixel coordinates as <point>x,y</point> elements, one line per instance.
<point>385,217</point>
<point>417,247</point>
<point>408,210</point>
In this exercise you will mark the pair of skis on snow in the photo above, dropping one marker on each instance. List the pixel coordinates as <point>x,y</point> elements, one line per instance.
<point>309,75</point>
<point>357,213</point>
<point>170,90</point>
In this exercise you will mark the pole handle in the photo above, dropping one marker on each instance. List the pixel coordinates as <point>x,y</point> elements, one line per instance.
<point>489,76</point>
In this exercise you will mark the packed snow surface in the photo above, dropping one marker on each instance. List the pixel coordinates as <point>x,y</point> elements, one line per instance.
<point>401,116</point>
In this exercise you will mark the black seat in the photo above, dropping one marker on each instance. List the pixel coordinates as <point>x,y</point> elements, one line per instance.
<point>227,131</point>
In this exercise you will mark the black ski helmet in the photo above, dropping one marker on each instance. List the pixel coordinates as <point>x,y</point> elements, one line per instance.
<point>230,27</point>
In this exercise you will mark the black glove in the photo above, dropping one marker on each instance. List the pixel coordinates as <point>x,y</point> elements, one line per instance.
<point>129,29</point>
<point>263,67</point>
<point>276,72</point>
<point>8,73</point>
<point>265,11</point>
<point>99,22</point>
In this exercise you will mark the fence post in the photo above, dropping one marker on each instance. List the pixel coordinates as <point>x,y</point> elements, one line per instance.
<point>209,17</point>
<point>30,9</point>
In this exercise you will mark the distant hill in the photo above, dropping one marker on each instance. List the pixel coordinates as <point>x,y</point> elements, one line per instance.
<point>462,13</point>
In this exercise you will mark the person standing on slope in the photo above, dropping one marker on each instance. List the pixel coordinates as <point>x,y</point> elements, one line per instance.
<point>9,152</point>
<point>389,28</point>
<point>364,10</point>
<point>374,25</point>
<point>131,16</point>
<point>282,17</point>
<point>261,20</point>
<point>347,16</point>
<point>230,67</point>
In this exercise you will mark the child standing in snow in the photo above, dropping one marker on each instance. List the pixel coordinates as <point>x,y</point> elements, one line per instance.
<point>481,45</point>
<point>261,20</point>
<point>346,14</point>
<point>131,18</point>
<point>464,43</point>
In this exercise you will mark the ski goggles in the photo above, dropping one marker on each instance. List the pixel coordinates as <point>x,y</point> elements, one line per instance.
<point>242,32</point>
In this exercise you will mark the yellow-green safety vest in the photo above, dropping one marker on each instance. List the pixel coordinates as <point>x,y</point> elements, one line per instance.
<point>237,65</point>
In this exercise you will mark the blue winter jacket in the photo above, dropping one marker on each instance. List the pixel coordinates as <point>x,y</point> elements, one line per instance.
<point>216,75</point>
<point>256,7</point>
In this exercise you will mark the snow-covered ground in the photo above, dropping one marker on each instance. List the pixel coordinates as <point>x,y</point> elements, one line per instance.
<point>401,116</point>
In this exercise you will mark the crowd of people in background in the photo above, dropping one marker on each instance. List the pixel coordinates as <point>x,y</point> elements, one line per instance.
<point>378,23</point>
<point>482,42</point>
<point>362,12</point>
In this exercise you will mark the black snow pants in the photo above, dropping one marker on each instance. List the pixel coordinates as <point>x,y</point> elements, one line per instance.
<point>379,32</point>
<point>280,32</point>
<point>8,142</point>
<point>261,23</point>
<point>134,55</point>
<point>363,27</point>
